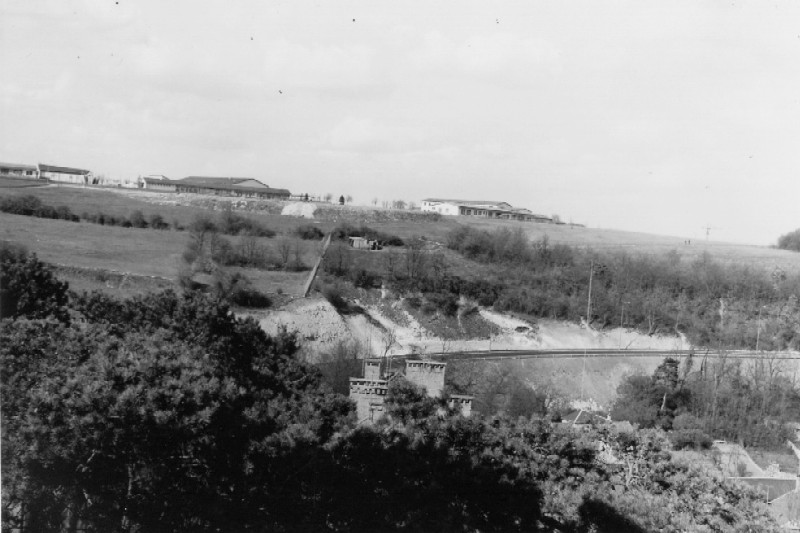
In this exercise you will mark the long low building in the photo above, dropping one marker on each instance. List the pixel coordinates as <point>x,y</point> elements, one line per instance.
<point>16,170</point>
<point>76,176</point>
<point>246,187</point>
<point>480,208</point>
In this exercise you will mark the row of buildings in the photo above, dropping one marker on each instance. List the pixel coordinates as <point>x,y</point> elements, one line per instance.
<point>482,208</point>
<point>221,186</point>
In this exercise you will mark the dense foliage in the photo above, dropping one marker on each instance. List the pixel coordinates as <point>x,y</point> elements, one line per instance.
<point>167,413</point>
<point>30,205</point>
<point>28,287</point>
<point>713,304</point>
<point>749,402</point>
<point>790,241</point>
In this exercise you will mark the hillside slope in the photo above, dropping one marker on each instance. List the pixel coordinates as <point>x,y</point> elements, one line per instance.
<point>376,332</point>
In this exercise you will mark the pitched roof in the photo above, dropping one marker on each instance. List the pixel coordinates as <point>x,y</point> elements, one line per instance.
<point>62,170</point>
<point>229,184</point>
<point>213,181</point>
<point>17,166</point>
<point>464,202</point>
<point>162,181</point>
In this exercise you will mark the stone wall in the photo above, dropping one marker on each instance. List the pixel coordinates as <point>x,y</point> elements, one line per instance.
<point>427,374</point>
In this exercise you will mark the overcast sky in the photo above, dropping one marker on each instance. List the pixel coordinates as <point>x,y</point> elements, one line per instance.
<point>663,117</point>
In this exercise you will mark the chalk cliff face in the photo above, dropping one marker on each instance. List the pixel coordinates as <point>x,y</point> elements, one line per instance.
<point>387,328</point>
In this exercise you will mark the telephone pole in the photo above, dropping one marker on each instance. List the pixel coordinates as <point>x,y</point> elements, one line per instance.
<point>589,300</point>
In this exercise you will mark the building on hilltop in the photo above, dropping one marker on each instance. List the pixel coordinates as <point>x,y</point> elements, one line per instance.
<point>369,392</point>
<point>158,183</point>
<point>480,208</point>
<point>246,187</point>
<point>15,170</point>
<point>77,176</point>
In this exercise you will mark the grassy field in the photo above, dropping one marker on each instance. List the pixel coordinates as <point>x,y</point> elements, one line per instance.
<point>81,244</point>
<point>157,253</point>
<point>19,183</point>
<point>96,251</point>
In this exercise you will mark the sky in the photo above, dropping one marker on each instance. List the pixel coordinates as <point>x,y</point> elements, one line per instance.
<point>660,117</point>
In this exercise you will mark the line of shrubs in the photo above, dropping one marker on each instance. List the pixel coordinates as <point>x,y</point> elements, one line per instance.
<point>33,206</point>
<point>229,222</point>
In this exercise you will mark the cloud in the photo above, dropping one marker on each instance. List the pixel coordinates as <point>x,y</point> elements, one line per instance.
<point>369,136</point>
<point>485,55</point>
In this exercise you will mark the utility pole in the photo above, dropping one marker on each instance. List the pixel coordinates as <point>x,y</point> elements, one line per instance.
<point>758,331</point>
<point>589,300</point>
<point>621,319</point>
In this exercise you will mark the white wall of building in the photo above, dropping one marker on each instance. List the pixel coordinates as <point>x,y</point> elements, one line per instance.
<point>444,208</point>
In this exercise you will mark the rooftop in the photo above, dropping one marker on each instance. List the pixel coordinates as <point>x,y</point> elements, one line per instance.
<point>232,184</point>
<point>217,181</point>
<point>465,202</point>
<point>62,170</point>
<point>17,165</point>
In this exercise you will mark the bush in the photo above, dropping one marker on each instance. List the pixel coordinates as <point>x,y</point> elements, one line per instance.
<point>445,303</point>
<point>28,287</point>
<point>157,222</point>
<point>694,439</point>
<point>232,223</point>
<point>249,297</point>
<point>365,279</point>
<point>790,241</point>
<point>335,298</point>
<point>309,232</point>
<point>21,205</point>
<point>137,219</point>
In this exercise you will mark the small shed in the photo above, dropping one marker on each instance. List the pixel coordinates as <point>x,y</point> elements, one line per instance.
<point>362,243</point>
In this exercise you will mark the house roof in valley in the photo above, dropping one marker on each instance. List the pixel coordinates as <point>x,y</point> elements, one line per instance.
<point>162,180</point>
<point>18,166</point>
<point>62,170</point>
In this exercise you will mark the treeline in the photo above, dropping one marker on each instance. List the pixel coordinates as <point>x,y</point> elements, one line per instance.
<point>748,402</point>
<point>228,222</point>
<point>167,413</point>
<point>790,241</point>
<point>712,303</point>
<point>32,206</point>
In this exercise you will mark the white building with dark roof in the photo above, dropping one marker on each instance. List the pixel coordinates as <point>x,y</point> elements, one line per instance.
<point>77,176</point>
<point>225,186</point>
<point>480,208</point>
<point>16,170</point>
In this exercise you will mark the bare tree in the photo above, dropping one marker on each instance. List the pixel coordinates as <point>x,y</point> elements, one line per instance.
<point>328,197</point>
<point>374,201</point>
<point>250,250</point>
<point>415,258</point>
<point>348,199</point>
<point>298,249</point>
<point>389,338</point>
<point>284,246</point>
